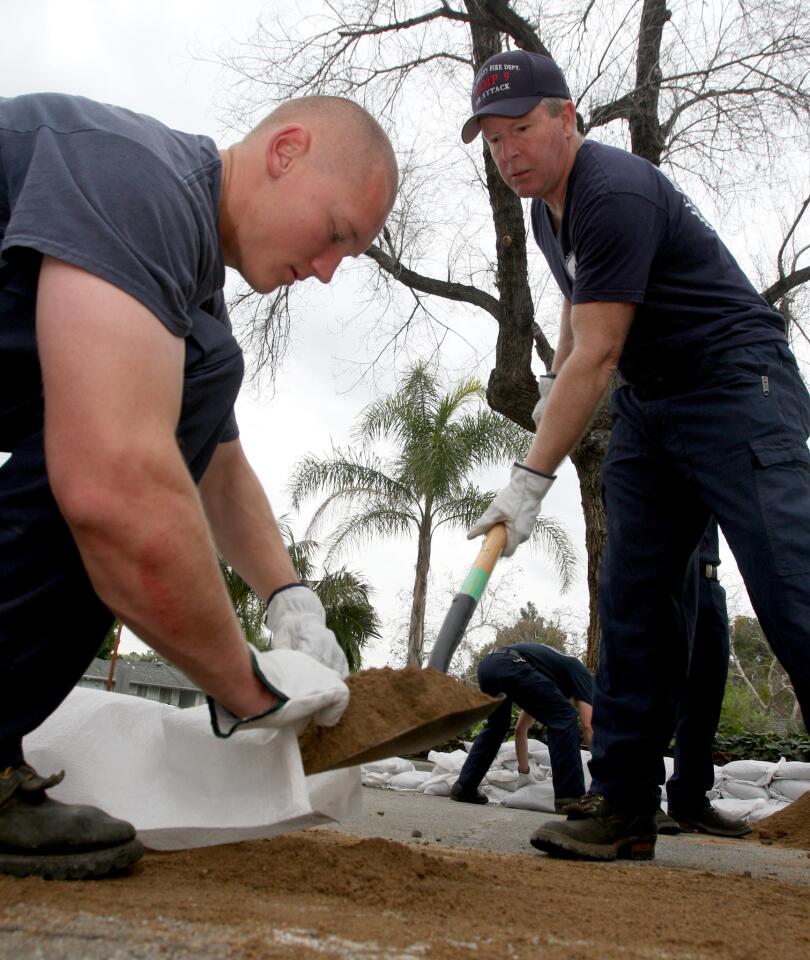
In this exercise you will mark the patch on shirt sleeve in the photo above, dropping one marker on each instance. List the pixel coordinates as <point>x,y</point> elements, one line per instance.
<point>571,265</point>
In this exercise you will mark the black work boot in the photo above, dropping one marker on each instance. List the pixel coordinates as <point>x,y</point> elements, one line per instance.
<point>466,795</point>
<point>596,830</point>
<point>711,821</point>
<point>665,824</point>
<point>58,841</point>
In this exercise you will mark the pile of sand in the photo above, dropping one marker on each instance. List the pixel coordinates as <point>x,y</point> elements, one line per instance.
<point>386,704</point>
<point>790,827</point>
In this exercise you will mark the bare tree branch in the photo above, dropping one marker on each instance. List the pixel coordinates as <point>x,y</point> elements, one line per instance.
<point>440,288</point>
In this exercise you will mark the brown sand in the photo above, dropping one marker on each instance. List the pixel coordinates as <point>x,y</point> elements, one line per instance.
<point>789,827</point>
<point>320,893</point>
<point>385,703</point>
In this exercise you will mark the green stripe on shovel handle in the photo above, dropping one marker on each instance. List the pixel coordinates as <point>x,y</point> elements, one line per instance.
<point>464,603</point>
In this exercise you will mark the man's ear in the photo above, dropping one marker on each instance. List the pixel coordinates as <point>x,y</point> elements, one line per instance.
<point>285,146</point>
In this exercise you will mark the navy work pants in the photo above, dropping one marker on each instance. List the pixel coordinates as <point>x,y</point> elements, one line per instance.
<point>698,705</point>
<point>505,671</point>
<point>731,442</point>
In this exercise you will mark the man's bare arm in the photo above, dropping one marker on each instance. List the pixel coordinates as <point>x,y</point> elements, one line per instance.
<point>242,521</point>
<point>112,376</point>
<point>565,341</point>
<point>522,727</point>
<point>585,717</point>
<point>598,332</point>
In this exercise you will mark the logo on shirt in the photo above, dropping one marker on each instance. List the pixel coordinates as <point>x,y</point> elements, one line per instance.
<point>571,265</point>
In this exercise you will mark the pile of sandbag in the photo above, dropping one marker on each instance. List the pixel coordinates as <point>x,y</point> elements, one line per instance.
<point>756,788</point>
<point>751,789</point>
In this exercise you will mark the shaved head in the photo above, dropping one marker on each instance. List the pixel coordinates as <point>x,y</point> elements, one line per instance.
<point>342,131</point>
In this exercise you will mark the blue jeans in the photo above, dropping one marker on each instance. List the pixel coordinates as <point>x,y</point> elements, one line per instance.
<point>505,671</point>
<point>732,445</point>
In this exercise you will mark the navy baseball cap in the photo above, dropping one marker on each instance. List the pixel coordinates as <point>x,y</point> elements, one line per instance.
<point>510,84</point>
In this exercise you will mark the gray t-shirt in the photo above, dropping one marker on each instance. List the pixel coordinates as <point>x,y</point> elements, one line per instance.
<point>135,203</point>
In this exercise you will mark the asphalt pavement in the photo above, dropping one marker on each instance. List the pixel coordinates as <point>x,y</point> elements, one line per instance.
<point>439,821</point>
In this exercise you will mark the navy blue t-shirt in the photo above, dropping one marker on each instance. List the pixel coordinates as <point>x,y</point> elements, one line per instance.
<point>568,673</point>
<point>135,203</point>
<point>630,235</point>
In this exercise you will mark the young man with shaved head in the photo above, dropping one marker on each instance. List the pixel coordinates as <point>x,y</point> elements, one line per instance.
<point>121,472</point>
<point>713,420</point>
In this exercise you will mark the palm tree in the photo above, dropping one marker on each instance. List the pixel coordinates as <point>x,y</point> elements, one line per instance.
<point>343,593</point>
<point>441,439</point>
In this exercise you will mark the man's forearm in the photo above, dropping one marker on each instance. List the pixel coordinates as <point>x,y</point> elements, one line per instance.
<point>565,341</point>
<point>146,547</point>
<point>242,522</point>
<point>571,405</point>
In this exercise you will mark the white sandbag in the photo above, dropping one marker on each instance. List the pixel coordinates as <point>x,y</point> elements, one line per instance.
<point>496,794</point>
<point>763,810</point>
<point>500,777</point>
<point>371,779</point>
<point>538,751</point>
<point>586,770</point>
<point>783,789</point>
<point>506,751</point>
<point>741,789</point>
<point>437,786</point>
<point>792,770</point>
<point>163,770</point>
<point>452,762</point>
<point>742,809</point>
<point>392,765</point>
<point>409,780</point>
<point>534,796</point>
<point>754,771</point>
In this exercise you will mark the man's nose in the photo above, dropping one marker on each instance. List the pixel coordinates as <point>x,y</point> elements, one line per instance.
<point>324,266</point>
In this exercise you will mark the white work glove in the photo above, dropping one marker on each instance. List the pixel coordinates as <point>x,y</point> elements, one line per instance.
<point>297,620</point>
<point>305,688</point>
<point>516,506</point>
<point>544,385</point>
<point>524,779</point>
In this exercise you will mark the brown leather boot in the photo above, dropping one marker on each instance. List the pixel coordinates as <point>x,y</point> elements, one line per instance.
<point>596,830</point>
<point>59,841</point>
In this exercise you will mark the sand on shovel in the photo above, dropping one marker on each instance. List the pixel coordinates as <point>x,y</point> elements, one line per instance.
<point>789,827</point>
<point>385,708</point>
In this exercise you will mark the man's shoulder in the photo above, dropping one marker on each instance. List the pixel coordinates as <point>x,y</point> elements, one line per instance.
<point>75,118</point>
<point>601,171</point>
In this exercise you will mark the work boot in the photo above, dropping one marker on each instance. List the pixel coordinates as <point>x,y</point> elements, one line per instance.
<point>711,821</point>
<point>665,824</point>
<point>466,795</point>
<point>59,841</point>
<point>597,830</point>
<point>565,804</point>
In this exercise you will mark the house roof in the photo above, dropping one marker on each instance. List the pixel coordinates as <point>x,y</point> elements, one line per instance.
<point>153,674</point>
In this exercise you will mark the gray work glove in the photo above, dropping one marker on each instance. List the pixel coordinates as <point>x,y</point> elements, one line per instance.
<point>297,620</point>
<point>306,690</point>
<point>544,385</point>
<point>516,506</point>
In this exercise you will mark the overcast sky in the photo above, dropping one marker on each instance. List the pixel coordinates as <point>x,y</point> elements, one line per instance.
<point>147,56</point>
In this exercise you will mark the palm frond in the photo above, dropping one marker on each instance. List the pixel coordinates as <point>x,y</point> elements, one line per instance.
<point>363,528</point>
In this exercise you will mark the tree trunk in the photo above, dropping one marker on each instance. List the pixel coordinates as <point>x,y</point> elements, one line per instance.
<point>587,460</point>
<point>416,630</point>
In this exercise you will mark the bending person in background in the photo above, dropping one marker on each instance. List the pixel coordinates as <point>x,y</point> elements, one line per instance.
<point>543,682</point>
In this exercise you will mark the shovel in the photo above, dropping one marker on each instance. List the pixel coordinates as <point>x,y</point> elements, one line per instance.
<point>400,712</point>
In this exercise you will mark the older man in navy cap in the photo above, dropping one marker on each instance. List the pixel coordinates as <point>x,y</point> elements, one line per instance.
<point>713,420</point>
